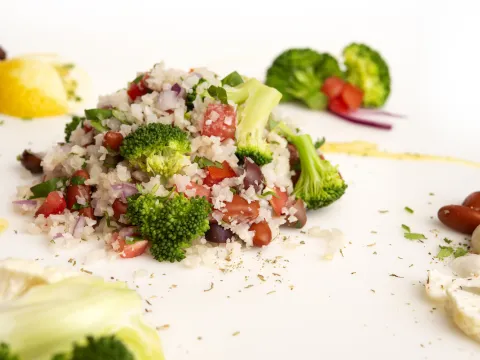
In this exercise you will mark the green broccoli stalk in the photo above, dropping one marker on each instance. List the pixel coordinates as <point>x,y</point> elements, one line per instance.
<point>299,73</point>
<point>101,348</point>
<point>6,353</point>
<point>256,101</point>
<point>156,148</point>
<point>368,70</point>
<point>320,183</point>
<point>169,223</point>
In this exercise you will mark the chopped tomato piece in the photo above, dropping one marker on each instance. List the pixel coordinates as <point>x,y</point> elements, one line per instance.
<point>119,208</point>
<point>263,234</point>
<point>332,87</point>
<point>338,106</point>
<point>352,96</point>
<point>217,174</point>
<point>128,250</point>
<point>220,120</point>
<point>200,190</point>
<point>54,204</point>
<point>279,201</point>
<point>87,212</point>
<point>137,89</point>
<point>240,210</point>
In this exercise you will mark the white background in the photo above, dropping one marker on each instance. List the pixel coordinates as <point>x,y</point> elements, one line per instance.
<point>432,51</point>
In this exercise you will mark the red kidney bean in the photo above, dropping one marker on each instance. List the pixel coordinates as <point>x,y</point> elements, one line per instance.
<point>253,175</point>
<point>31,162</point>
<point>87,212</point>
<point>119,208</point>
<point>473,201</point>
<point>263,234</point>
<point>112,140</point>
<point>301,215</point>
<point>217,233</point>
<point>81,191</point>
<point>294,158</point>
<point>239,209</point>
<point>459,218</point>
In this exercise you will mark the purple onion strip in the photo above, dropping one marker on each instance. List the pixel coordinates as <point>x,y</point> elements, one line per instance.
<point>365,122</point>
<point>25,202</point>
<point>77,230</point>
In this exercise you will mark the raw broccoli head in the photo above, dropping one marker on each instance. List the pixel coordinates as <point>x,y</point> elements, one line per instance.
<point>320,183</point>
<point>255,103</point>
<point>156,148</point>
<point>169,223</point>
<point>102,348</point>
<point>368,70</point>
<point>299,73</point>
<point>6,353</point>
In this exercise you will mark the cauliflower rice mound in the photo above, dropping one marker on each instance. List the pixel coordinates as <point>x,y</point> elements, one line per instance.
<point>165,103</point>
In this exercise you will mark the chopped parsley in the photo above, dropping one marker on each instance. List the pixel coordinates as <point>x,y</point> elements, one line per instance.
<point>318,144</point>
<point>78,206</point>
<point>448,241</point>
<point>414,236</point>
<point>409,210</point>
<point>217,92</point>
<point>383,211</point>
<point>2,122</point>
<point>43,189</point>
<point>406,228</point>
<point>232,79</point>
<point>77,180</point>
<point>204,162</point>
<point>447,251</point>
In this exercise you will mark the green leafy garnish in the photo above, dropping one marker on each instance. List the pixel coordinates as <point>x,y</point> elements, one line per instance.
<point>414,236</point>
<point>406,228</point>
<point>43,189</point>
<point>448,241</point>
<point>96,116</point>
<point>72,125</point>
<point>266,193</point>
<point>78,206</point>
<point>445,251</point>
<point>193,95</point>
<point>232,79</point>
<point>204,162</point>
<point>409,210</point>
<point>217,92</point>
<point>461,251</point>
<point>319,143</point>
<point>77,180</point>
<point>138,79</point>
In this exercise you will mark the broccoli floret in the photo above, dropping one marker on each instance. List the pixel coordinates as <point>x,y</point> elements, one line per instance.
<point>368,70</point>
<point>169,223</point>
<point>156,148</point>
<point>255,103</point>
<point>6,353</point>
<point>299,73</point>
<point>320,183</point>
<point>101,348</point>
<point>73,125</point>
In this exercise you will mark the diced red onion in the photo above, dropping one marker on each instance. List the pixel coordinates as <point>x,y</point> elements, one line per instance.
<point>77,230</point>
<point>167,100</point>
<point>177,88</point>
<point>57,236</point>
<point>127,231</point>
<point>353,119</point>
<point>25,202</point>
<point>126,189</point>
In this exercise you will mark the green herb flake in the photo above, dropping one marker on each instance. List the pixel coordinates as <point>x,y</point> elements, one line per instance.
<point>138,79</point>
<point>406,228</point>
<point>414,236</point>
<point>232,79</point>
<point>409,210</point>
<point>267,193</point>
<point>43,189</point>
<point>383,211</point>
<point>431,194</point>
<point>448,241</point>
<point>2,122</point>
<point>459,252</point>
<point>319,143</point>
<point>77,180</point>
<point>445,251</point>
<point>132,239</point>
<point>98,114</point>
<point>78,206</point>
<point>204,162</point>
<point>217,92</point>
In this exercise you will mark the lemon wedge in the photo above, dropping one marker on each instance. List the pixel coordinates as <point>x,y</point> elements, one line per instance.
<point>75,80</point>
<point>31,88</point>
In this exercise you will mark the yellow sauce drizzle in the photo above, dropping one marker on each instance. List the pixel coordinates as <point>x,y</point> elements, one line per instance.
<point>363,148</point>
